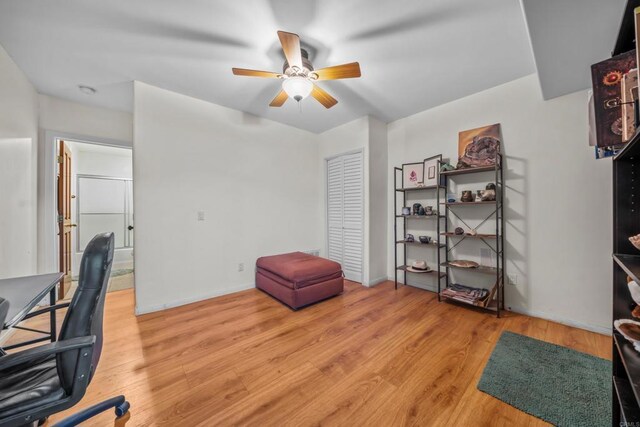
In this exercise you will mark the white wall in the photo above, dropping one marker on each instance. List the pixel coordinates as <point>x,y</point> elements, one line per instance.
<point>18,174</point>
<point>255,180</point>
<point>70,117</point>
<point>378,201</point>
<point>558,197</point>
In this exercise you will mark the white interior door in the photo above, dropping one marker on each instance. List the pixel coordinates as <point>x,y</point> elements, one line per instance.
<point>345,206</point>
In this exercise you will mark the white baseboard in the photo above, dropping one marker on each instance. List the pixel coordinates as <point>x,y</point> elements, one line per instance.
<point>377,281</point>
<point>605,330</point>
<point>219,292</point>
<point>122,265</point>
<point>533,313</point>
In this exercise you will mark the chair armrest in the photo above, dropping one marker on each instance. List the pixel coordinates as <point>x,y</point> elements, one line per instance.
<point>43,351</point>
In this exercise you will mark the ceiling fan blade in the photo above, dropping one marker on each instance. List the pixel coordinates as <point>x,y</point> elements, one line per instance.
<point>280,99</point>
<point>291,46</point>
<point>323,97</point>
<point>255,73</point>
<point>344,71</point>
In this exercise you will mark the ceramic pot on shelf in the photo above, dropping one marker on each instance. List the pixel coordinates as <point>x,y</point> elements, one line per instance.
<point>467,196</point>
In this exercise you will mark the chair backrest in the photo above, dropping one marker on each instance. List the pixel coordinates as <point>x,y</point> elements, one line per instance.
<point>4,309</point>
<point>85,312</point>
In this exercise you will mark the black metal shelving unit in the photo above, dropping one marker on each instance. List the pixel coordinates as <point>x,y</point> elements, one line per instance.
<point>494,241</point>
<point>436,217</point>
<point>625,258</point>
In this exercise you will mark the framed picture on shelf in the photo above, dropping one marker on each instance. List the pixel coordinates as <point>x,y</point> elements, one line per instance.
<point>479,147</point>
<point>430,170</point>
<point>412,175</point>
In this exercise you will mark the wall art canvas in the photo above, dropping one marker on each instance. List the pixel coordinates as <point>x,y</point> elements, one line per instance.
<point>412,175</point>
<point>431,166</point>
<point>607,78</point>
<point>479,147</point>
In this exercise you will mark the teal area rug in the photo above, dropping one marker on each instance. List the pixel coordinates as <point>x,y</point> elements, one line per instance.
<point>554,383</point>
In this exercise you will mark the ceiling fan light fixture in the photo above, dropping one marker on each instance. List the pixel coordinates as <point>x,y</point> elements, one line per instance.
<point>297,87</point>
<point>299,76</point>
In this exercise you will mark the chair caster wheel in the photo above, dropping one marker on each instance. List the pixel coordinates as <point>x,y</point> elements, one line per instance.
<point>41,421</point>
<point>122,409</point>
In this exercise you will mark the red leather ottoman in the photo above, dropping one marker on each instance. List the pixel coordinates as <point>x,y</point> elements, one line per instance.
<point>298,279</point>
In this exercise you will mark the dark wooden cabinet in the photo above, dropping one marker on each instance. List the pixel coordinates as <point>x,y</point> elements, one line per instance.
<point>625,258</point>
<point>626,263</point>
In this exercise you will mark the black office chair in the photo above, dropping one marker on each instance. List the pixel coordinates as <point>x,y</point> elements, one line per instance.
<point>44,380</point>
<point>4,309</point>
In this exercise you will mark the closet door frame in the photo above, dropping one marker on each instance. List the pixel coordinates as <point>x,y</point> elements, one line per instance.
<point>359,151</point>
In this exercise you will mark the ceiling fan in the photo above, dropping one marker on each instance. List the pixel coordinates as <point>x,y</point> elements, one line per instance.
<point>298,76</point>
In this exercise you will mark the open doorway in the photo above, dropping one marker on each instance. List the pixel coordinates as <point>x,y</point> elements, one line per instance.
<point>95,195</point>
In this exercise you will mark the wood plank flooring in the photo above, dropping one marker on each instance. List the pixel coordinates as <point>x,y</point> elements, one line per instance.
<point>368,357</point>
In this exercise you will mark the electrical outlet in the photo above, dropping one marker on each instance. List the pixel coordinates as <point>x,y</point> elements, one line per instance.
<point>200,215</point>
<point>513,279</point>
<point>241,266</point>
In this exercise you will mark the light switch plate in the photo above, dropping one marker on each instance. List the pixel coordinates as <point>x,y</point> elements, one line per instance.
<point>200,215</point>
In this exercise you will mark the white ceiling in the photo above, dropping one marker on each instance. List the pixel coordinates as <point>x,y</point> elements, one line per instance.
<point>414,54</point>
<point>568,38</point>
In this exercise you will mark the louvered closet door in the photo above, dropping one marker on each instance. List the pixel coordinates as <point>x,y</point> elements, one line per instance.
<point>345,213</point>
<point>353,206</point>
<point>334,209</point>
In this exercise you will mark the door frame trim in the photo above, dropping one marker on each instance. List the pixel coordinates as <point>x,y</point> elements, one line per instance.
<point>326,204</point>
<point>48,251</point>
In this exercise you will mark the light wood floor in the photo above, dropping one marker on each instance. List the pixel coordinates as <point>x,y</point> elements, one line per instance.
<point>368,357</point>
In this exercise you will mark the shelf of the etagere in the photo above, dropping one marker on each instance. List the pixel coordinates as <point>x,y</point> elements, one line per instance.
<point>470,236</point>
<point>430,272</point>
<point>428,187</point>
<point>492,306</point>
<point>420,216</point>
<point>479,269</point>
<point>417,243</point>
<point>628,405</point>
<point>630,264</point>
<point>492,202</point>
<point>469,170</point>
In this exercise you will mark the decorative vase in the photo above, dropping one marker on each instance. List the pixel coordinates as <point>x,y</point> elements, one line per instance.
<point>467,196</point>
